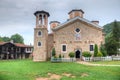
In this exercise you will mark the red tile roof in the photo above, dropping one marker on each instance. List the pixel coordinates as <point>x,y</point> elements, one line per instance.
<point>2,43</point>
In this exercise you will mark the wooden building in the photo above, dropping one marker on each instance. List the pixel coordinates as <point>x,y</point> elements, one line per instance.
<point>10,50</point>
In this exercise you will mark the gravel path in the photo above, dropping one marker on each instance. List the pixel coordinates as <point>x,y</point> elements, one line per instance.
<point>91,64</point>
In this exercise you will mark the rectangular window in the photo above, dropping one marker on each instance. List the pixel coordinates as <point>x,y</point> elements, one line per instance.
<point>64,49</point>
<point>91,48</point>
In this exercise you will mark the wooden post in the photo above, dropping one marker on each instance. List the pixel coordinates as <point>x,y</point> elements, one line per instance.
<point>1,56</point>
<point>23,55</point>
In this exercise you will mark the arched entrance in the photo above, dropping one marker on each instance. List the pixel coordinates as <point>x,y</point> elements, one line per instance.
<point>77,53</point>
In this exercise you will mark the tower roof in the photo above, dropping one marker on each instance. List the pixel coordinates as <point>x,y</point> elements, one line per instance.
<point>41,12</point>
<point>76,10</point>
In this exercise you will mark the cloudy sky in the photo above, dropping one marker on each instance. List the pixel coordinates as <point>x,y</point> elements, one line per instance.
<point>16,16</point>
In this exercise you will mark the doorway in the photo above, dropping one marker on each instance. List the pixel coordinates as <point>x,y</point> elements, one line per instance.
<point>77,53</point>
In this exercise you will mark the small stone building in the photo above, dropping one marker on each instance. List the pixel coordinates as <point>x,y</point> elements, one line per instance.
<point>76,35</point>
<point>10,50</point>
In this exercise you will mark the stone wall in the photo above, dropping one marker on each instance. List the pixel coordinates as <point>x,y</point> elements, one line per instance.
<point>66,35</point>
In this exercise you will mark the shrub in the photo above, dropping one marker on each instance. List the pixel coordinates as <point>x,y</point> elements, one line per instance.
<point>53,52</point>
<point>95,50</point>
<point>99,54</point>
<point>60,56</point>
<point>86,54</point>
<point>71,54</point>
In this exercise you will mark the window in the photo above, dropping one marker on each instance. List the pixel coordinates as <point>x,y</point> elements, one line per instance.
<point>64,48</point>
<point>39,33</point>
<point>91,47</point>
<point>77,34</point>
<point>39,43</point>
<point>77,30</point>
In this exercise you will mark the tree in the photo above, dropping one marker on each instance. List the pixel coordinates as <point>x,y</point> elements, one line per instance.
<point>17,38</point>
<point>112,41</point>
<point>1,40</point>
<point>116,36</point>
<point>103,50</point>
<point>95,50</point>
<point>99,54</point>
<point>6,39</point>
<point>53,52</point>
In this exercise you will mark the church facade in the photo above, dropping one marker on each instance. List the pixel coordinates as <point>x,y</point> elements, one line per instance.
<point>76,35</point>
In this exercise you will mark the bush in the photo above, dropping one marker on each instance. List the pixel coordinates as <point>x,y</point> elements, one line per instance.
<point>60,56</point>
<point>53,52</point>
<point>99,54</point>
<point>86,54</point>
<point>71,54</point>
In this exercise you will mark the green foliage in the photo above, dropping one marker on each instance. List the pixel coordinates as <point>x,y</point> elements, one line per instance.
<point>17,38</point>
<point>71,54</point>
<point>60,56</point>
<point>6,39</point>
<point>1,40</point>
<point>86,54</point>
<point>103,50</point>
<point>108,27</point>
<point>53,52</point>
<point>95,50</point>
<point>99,54</point>
<point>112,40</point>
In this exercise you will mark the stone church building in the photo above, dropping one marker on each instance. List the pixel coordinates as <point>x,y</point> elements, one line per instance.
<point>76,35</point>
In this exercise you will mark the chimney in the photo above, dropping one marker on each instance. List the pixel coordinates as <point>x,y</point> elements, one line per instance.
<point>95,22</point>
<point>11,41</point>
<point>53,24</point>
<point>76,12</point>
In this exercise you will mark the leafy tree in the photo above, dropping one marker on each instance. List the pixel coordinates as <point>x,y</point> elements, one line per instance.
<point>95,50</point>
<point>53,52</point>
<point>6,39</point>
<point>103,50</point>
<point>17,38</point>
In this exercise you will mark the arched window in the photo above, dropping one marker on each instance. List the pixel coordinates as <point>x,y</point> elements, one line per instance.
<point>39,43</point>
<point>39,33</point>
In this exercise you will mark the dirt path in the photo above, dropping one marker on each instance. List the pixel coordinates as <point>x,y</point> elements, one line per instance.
<point>90,64</point>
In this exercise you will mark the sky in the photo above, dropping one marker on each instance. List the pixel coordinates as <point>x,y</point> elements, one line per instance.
<point>16,16</point>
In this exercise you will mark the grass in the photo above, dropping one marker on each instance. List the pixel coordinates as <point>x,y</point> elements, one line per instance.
<point>107,62</point>
<point>29,70</point>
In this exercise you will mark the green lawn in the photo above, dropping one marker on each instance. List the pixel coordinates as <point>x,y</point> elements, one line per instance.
<point>107,62</point>
<point>29,70</point>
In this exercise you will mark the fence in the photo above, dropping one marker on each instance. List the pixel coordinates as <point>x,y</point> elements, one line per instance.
<point>110,58</point>
<point>63,59</point>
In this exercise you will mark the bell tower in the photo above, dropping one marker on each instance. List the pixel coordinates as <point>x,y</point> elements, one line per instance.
<point>40,36</point>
